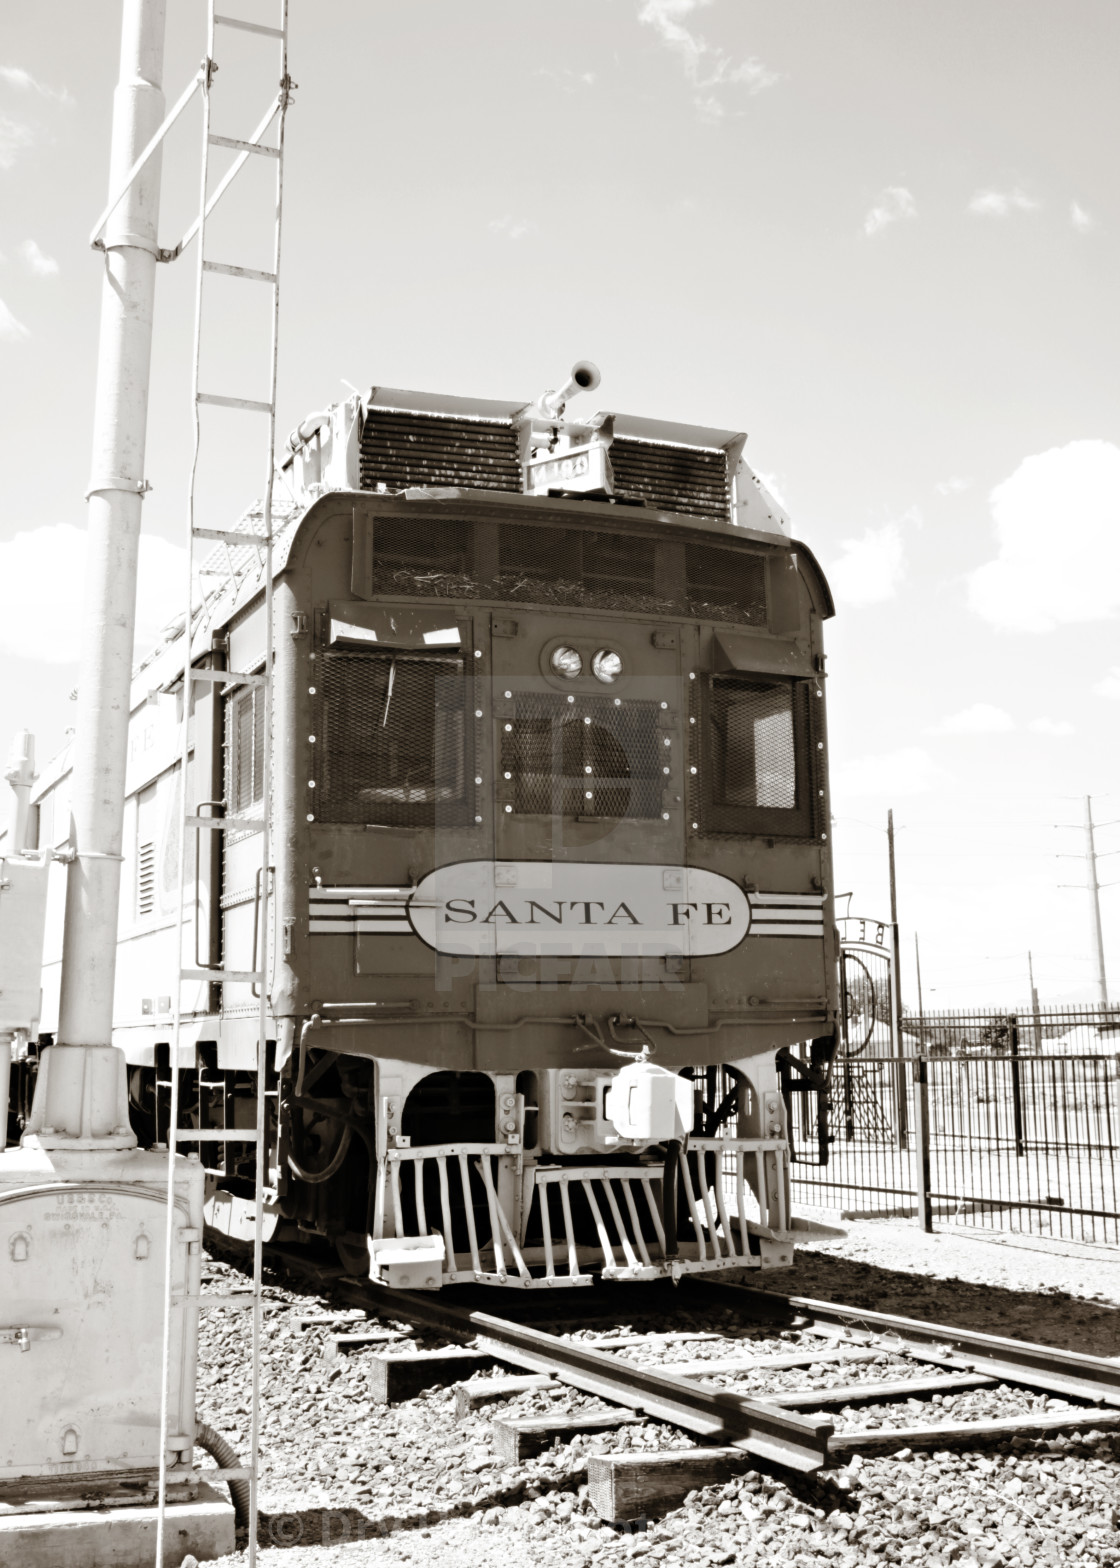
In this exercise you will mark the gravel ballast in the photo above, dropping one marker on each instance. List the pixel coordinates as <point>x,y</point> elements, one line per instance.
<point>351,1483</point>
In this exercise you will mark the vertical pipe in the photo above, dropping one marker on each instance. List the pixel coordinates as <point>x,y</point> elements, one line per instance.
<point>20,774</point>
<point>922,1176</point>
<point>113,536</point>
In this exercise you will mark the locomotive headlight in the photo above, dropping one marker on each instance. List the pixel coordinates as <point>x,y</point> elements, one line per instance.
<point>567,662</point>
<point>606,665</point>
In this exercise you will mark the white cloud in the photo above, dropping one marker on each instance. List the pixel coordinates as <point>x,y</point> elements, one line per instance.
<point>706,66</point>
<point>908,771</point>
<point>871,568</point>
<point>981,719</point>
<point>1057,521</point>
<point>1082,221</point>
<point>952,486</point>
<point>1110,686</point>
<point>1000,204</point>
<point>14,137</point>
<point>36,261</point>
<point>894,202</point>
<point>46,625</point>
<point>1053,726</point>
<point>570,81</point>
<point>509,226</point>
<point>23,81</point>
<point>10,328</point>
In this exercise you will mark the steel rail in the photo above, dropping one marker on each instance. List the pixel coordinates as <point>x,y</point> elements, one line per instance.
<point>797,1442</point>
<point>1062,1372</point>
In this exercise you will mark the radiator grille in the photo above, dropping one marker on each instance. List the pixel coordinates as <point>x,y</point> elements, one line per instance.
<point>584,759</point>
<point>725,584</point>
<point>392,739</point>
<point>400,450</point>
<point>245,748</point>
<point>672,478</point>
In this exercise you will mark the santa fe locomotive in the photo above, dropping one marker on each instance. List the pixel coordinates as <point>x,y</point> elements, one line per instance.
<point>551,882</point>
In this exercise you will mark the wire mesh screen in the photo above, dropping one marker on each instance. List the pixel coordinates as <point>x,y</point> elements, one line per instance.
<point>672,478</point>
<point>531,563</point>
<point>578,566</point>
<point>401,449</point>
<point>589,758</point>
<point>428,556</point>
<point>392,739</point>
<point>752,750</point>
<point>725,584</point>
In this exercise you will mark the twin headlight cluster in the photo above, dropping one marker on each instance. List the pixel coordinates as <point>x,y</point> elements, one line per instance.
<point>606,665</point>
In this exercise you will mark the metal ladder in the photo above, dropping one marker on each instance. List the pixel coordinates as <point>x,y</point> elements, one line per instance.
<point>192,822</point>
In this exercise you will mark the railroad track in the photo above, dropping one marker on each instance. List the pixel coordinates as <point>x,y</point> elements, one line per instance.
<point>796,1386</point>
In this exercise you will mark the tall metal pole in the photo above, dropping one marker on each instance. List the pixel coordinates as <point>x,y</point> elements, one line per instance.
<point>1036,1013</point>
<point>896,995</point>
<point>116,492</point>
<point>1095,903</point>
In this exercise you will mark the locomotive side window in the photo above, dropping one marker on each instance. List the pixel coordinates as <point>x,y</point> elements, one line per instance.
<point>587,759</point>
<point>755,757</point>
<point>392,739</point>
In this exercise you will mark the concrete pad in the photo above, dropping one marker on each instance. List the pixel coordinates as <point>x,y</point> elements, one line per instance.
<point>119,1537</point>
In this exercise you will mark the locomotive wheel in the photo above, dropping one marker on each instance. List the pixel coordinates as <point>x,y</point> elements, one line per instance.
<point>354,1258</point>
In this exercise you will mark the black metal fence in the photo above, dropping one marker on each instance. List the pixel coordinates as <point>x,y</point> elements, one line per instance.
<point>994,1119</point>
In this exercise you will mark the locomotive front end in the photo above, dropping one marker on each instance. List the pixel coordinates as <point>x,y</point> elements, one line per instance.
<point>554,879</point>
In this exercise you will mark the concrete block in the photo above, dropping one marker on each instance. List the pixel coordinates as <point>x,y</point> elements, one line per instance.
<point>119,1537</point>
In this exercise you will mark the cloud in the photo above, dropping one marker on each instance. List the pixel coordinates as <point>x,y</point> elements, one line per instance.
<point>1082,221</point>
<point>10,328</point>
<point>1054,726</point>
<point>512,228</point>
<point>981,719</point>
<point>1057,522</point>
<point>706,66</point>
<point>895,202</point>
<point>1110,686</point>
<point>908,771</point>
<point>35,261</point>
<point>46,626</point>
<point>14,137</point>
<point>1000,204</point>
<point>952,486</point>
<point>871,568</point>
<point>570,81</point>
<point>23,81</point>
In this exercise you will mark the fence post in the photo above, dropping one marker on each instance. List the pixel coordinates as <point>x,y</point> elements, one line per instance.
<point>1016,1086</point>
<point>921,1164</point>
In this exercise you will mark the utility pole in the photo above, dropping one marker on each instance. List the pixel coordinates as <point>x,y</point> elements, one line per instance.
<point>1036,1013</point>
<point>896,995</point>
<point>1095,904</point>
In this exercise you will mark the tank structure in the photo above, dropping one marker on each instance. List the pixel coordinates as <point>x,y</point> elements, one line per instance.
<point>551,881</point>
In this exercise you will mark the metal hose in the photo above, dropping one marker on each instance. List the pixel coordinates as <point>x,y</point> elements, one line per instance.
<point>226,1455</point>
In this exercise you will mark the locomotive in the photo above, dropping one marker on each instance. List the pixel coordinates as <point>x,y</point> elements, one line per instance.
<point>551,893</point>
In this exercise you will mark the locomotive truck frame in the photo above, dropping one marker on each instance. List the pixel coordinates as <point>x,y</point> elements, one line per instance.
<point>549,796</point>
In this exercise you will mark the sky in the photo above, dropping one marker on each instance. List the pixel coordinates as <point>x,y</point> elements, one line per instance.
<point>882,239</point>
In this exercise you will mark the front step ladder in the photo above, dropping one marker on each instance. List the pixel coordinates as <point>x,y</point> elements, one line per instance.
<point>230,580</point>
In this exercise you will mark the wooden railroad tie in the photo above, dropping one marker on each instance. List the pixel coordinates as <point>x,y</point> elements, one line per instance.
<point>489,1390</point>
<point>520,1438</point>
<point>340,1344</point>
<point>951,1434</point>
<point>397,1377</point>
<point>636,1486</point>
